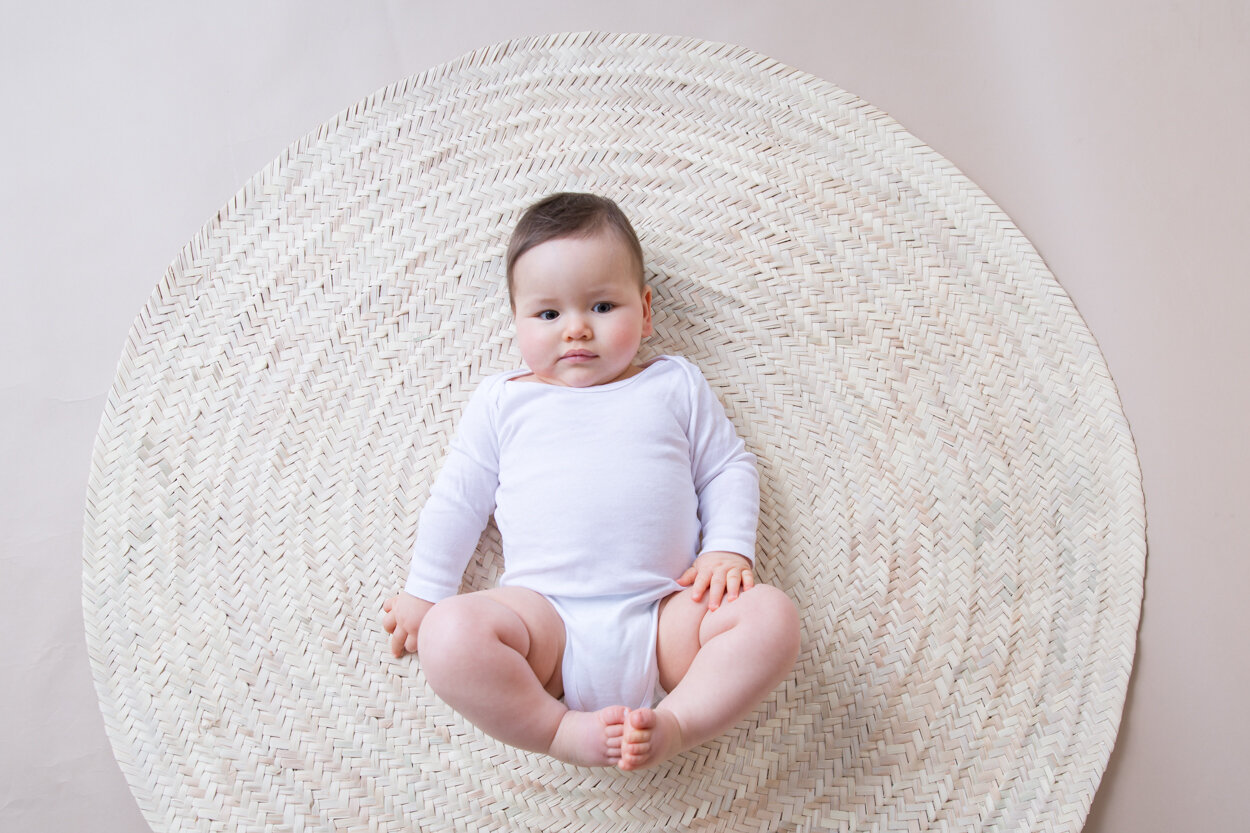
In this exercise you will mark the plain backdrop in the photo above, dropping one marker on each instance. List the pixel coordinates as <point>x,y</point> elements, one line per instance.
<point>1113,133</point>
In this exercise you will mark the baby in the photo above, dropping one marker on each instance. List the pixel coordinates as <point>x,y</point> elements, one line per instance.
<point>627,508</point>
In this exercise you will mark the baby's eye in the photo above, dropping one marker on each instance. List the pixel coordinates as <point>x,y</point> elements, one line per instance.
<point>603,306</point>
<point>548,315</point>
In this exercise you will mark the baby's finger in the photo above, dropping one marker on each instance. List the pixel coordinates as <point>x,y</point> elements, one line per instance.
<point>410,644</point>
<point>397,642</point>
<point>388,621</point>
<point>732,584</point>
<point>716,591</point>
<point>389,603</point>
<point>699,586</point>
<point>687,578</point>
<point>748,580</point>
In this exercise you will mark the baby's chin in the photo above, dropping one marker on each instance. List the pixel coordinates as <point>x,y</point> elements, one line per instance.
<point>581,374</point>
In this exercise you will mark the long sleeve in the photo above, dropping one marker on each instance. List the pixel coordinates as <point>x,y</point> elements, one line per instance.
<point>460,503</point>
<point>725,476</point>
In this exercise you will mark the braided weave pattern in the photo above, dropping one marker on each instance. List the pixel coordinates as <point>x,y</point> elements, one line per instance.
<point>950,491</point>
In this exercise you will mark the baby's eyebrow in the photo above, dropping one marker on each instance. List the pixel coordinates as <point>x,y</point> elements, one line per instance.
<point>594,293</point>
<point>543,302</point>
<point>605,291</point>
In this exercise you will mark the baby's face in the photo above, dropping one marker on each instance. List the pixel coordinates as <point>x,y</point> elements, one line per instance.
<point>580,314</point>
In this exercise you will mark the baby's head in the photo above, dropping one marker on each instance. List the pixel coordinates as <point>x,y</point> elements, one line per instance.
<point>578,291</point>
<point>570,215</point>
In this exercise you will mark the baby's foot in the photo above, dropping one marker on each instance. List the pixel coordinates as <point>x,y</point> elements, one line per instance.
<point>651,737</point>
<point>590,738</point>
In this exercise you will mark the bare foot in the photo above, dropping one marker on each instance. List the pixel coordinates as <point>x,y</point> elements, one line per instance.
<point>590,738</point>
<point>651,737</point>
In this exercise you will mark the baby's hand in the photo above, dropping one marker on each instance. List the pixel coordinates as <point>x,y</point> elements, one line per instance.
<point>721,575</point>
<point>402,617</point>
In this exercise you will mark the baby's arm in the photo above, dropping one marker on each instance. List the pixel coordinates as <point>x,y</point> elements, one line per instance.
<point>451,522</point>
<point>719,574</point>
<point>727,484</point>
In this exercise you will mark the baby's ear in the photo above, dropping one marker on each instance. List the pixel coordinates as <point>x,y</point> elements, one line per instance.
<point>647,329</point>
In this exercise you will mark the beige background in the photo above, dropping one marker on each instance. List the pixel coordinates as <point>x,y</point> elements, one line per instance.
<point>1114,133</point>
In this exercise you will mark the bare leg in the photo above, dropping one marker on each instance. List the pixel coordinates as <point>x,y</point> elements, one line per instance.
<point>494,657</point>
<point>717,666</point>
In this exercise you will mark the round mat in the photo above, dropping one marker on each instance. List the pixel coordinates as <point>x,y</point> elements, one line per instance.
<point>949,487</point>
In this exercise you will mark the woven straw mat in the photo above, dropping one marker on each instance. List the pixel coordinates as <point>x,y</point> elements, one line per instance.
<point>950,492</point>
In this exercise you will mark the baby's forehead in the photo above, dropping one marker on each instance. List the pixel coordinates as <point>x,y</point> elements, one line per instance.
<point>613,242</point>
<point>604,234</point>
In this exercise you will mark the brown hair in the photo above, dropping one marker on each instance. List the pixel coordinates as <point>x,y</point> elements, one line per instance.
<point>570,215</point>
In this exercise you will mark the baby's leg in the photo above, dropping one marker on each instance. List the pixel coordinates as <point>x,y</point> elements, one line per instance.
<point>494,656</point>
<point>716,665</point>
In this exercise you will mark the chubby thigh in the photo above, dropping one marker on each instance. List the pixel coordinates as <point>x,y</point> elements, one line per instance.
<point>678,635</point>
<point>520,618</point>
<point>686,626</point>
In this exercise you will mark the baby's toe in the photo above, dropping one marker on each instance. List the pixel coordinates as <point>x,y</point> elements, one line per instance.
<point>613,716</point>
<point>639,724</point>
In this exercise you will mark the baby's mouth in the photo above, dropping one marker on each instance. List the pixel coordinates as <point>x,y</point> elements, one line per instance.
<point>578,355</point>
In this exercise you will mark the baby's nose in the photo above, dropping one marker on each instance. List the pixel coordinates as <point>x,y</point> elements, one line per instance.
<point>576,326</point>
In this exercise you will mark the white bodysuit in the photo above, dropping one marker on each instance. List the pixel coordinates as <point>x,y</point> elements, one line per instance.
<point>603,497</point>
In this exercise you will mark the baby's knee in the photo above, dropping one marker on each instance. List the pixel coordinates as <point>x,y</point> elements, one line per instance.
<point>775,616</point>
<point>451,635</point>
